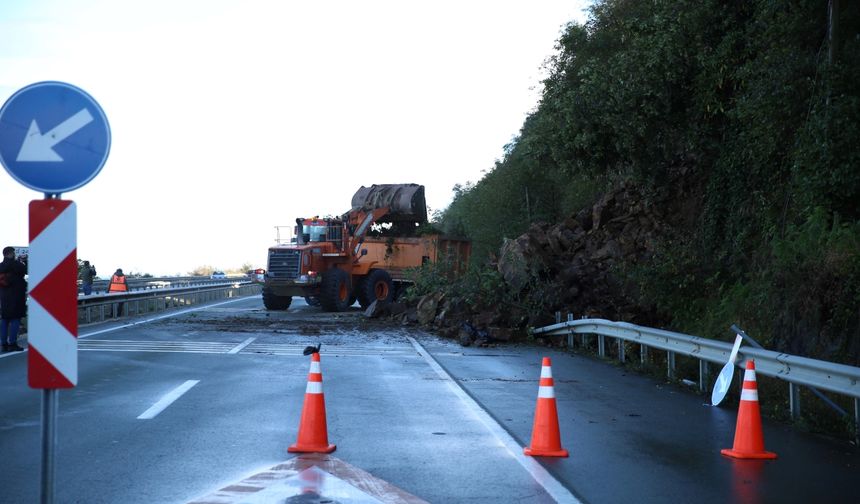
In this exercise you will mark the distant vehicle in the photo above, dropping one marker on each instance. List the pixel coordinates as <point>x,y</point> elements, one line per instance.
<point>257,275</point>
<point>218,275</point>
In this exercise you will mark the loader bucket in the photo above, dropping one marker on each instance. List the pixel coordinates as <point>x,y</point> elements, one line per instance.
<point>405,201</point>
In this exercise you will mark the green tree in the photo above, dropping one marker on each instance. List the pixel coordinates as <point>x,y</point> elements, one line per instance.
<point>736,109</point>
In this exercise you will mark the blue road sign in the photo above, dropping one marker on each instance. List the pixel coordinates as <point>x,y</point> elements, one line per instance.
<point>54,137</point>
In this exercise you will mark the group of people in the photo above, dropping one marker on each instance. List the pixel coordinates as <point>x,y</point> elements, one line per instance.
<point>13,294</point>
<point>88,274</point>
<point>117,283</point>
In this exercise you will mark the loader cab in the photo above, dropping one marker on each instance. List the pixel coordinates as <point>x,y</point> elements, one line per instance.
<point>317,230</point>
<point>314,230</point>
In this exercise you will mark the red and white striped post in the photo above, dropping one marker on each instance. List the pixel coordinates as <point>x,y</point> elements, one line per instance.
<point>53,311</point>
<point>53,316</point>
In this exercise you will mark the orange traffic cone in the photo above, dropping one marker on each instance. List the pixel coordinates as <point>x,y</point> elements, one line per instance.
<point>749,441</point>
<point>313,435</point>
<point>546,440</point>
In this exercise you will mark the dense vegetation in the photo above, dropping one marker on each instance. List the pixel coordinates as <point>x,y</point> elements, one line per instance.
<point>749,108</point>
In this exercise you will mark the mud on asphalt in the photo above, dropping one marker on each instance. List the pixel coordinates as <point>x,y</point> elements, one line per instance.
<point>305,324</point>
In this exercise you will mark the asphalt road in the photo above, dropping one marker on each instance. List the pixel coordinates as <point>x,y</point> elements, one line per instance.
<point>438,421</point>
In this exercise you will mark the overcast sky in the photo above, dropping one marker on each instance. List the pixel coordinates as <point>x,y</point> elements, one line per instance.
<point>229,118</point>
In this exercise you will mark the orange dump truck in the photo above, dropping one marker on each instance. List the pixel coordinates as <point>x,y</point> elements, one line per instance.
<point>362,255</point>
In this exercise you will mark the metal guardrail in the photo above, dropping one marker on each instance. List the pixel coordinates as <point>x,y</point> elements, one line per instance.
<point>99,307</point>
<point>138,283</point>
<point>797,371</point>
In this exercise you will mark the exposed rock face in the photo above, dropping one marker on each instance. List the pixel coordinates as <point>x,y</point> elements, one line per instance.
<point>427,308</point>
<point>580,262</point>
<point>579,266</point>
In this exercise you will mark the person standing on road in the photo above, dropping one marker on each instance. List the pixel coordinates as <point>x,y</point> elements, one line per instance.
<point>87,274</point>
<point>13,298</point>
<point>118,284</point>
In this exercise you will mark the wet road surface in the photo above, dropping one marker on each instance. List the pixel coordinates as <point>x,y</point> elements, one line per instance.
<point>437,421</point>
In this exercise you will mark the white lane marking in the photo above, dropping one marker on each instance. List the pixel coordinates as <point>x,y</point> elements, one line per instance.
<point>214,347</point>
<point>543,478</point>
<point>288,349</point>
<point>311,481</point>
<point>167,400</point>
<point>10,354</point>
<point>183,312</point>
<point>238,348</point>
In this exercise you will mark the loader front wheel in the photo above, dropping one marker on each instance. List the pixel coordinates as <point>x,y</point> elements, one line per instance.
<point>335,290</point>
<point>273,302</point>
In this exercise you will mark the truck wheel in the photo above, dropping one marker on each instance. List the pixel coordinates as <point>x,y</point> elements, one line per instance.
<point>273,302</point>
<point>335,290</point>
<point>377,287</point>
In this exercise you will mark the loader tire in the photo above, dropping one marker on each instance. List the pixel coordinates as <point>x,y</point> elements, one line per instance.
<point>273,302</point>
<point>335,290</point>
<point>377,286</point>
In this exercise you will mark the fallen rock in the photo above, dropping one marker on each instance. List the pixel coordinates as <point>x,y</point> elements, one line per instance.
<point>395,308</point>
<point>501,333</point>
<point>464,337</point>
<point>373,311</point>
<point>426,309</point>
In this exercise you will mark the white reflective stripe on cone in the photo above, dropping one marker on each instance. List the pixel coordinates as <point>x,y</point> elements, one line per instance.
<point>749,375</point>
<point>546,393</point>
<point>749,395</point>
<point>545,372</point>
<point>314,387</point>
<point>315,367</point>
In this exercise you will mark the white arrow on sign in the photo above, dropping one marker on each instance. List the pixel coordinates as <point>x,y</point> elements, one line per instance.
<point>39,148</point>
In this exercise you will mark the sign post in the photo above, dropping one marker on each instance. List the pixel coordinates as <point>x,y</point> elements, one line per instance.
<point>71,152</point>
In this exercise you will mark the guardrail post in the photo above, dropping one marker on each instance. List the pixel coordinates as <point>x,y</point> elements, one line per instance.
<point>558,317</point>
<point>601,345</point>
<point>703,375</point>
<point>643,354</point>
<point>857,421</point>
<point>670,365</point>
<point>620,350</point>
<point>570,333</point>
<point>794,400</point>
